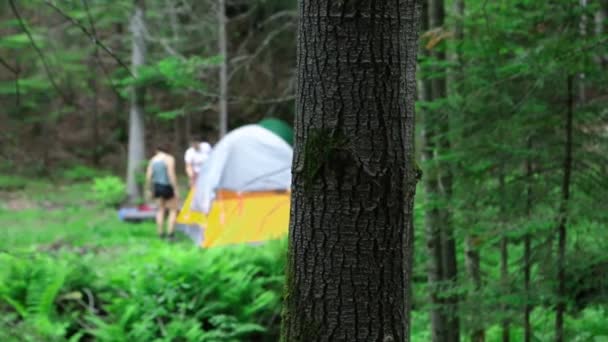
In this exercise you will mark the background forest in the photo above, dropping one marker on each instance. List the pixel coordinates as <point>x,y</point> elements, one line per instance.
<point>511,213</point>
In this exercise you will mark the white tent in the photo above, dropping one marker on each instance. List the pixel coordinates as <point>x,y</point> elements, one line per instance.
<point>248,159</point>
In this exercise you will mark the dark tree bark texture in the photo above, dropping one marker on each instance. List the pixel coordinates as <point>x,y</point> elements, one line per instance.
<point>354,173</point>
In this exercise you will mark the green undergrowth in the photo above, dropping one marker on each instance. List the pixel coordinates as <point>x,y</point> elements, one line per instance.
<point>71,271</point>
<point>148,293</point>
<point>12,183</point>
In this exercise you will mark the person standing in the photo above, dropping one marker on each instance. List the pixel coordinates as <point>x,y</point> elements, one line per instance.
<point>161,180</point>
<point>195,156</point>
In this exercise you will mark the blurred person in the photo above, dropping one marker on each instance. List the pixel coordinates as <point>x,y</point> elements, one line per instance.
<point>195,157</point>
<point>161,183</point>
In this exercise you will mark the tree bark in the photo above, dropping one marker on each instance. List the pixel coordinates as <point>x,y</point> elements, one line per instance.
<point>354,175</point>
<point>223,100</point>
<point>561,249</point>
<point>136,153</point>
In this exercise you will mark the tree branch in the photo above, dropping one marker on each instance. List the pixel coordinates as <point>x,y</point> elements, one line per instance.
<point>96,52</point>
<point>91,35</point>
<point>46,66</point>
<point>8,66</point>
<point>16,71</point>
<point>271,36</point>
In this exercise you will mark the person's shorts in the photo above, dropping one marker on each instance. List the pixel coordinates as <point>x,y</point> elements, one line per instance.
<point>163,191</point>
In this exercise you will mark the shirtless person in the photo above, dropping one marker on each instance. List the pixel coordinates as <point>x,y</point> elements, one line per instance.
<point>195,156</point>
<point>162,181</point>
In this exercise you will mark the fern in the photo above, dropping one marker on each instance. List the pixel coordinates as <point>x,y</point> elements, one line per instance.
<point>44,289</point>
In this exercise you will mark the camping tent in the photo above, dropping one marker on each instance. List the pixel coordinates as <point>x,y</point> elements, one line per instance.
<point>242,193</point>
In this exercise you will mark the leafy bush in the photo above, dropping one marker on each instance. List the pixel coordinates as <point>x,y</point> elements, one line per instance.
<point>80,173</point>
<point>109,191</point>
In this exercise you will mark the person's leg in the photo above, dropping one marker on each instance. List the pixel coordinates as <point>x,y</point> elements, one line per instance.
<point>160,217</point>
<point>172,206</point>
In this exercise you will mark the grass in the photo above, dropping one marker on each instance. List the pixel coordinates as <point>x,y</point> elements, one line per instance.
<point>43,216</point>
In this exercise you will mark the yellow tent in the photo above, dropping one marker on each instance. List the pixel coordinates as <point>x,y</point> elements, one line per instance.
<point>241,194</point>
<point>235,218</point>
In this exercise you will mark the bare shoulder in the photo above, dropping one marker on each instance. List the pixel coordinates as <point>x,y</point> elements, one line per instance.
<point>170,159</point>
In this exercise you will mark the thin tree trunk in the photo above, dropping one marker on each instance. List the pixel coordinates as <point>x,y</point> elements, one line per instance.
<point>351,234</point>
<point>433,234</point>
<point>119,101</point>
<point>600,18</point>
<point>94,124</point>
<point>432,214</point>
<point>528,251</point>
<point>600,27</point>
<point>561,251</point>
<point>188,127</point>
<point>473,265</point>
<point>444,173</point>
<point>178,140</point>
<point>472,255</point>
<point>504,266</point>
<point>582,94</point>
<point>137,153</point>
<point>223,100</point>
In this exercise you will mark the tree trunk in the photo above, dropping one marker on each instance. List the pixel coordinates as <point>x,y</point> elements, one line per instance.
<point>94,123</point>
<point>432,232</point>
<point>223,100</point>
<point>472,255</point>
<point>504,264</point>
<point>119,101</point>
<point>137,153</point>
<point>528,251</point>
<point>432,215</point>
<point>354,176</point>
<point>188,127</point>
<point>442,186</point>
<point>473,265</point>
<point>561,251</point>
<point>444,174</point>
<point>584,23</point>
<point>600,26</point>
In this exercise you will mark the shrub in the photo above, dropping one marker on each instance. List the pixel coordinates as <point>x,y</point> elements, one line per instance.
<point>108,191</point>
<point>80,173</point>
